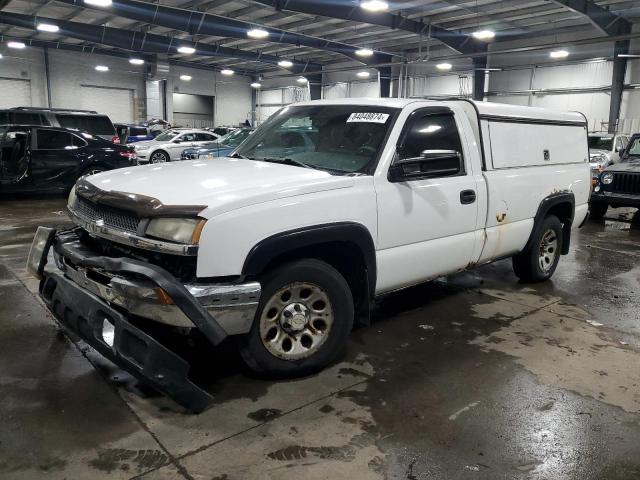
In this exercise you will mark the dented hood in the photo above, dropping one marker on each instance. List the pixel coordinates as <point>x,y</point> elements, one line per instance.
<point>218,185</point>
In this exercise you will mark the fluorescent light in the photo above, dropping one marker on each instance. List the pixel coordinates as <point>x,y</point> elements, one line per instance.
<point>0,55</point>
<point>375,5</point>
<point>628,55</point>
<point>444,66</point>
<point>188,50</point>
<point>102,68</point>
<point>47,27</point>
<point>256,85</point>
<point>285,63</point>
<point>185,78</point>
<point>484,34</point>
<point>364,52</point>
<point>136,61</point>
<point>364,74</point>
<point>16,45</point>
<point>559,54</point>
<point>227,71</point>
<point>302,80</point>
<point>258,33</point>
<point>98,3</point>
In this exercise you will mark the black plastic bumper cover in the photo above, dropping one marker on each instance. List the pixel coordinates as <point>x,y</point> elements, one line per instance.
<point>133,350</point>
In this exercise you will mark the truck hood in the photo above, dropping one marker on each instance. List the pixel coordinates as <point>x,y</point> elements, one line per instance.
<point>626,166</point>
<point>219,186</point>
<point>597,151</point>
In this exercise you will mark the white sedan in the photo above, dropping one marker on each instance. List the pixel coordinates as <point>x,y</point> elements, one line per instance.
<point>169,145</point>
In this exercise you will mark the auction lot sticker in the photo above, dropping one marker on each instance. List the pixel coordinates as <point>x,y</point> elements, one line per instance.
<point>368,117</point>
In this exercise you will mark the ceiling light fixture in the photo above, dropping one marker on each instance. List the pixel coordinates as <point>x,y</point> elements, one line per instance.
<point>444,66</point>
<point>257,33</point>
<point>136,61</point>
<point>18,45</point>
<point>375,5</point>
<point>364,52</point>
<point>559,54</point>
<point>185,78</point>
<point>628,55</point>
<point>302,80</point>
<point>364,74</point>
<point>256,85</point>
<point>285,63</point>
<point>227,71</point>
<point>187,50</point>
<point>47,27</point>
<point>0,55</point>
<point>484,34</point>
<point>102,68</point>
<point>98,3</point>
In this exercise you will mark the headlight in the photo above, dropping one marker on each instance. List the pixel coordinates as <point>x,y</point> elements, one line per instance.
<point>606,178</point>
<point>179,230</point>
<point>71,201</point>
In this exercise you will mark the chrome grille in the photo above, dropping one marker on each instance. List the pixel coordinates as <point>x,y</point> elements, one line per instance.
<point>626,183</point>
<point>111,217</point>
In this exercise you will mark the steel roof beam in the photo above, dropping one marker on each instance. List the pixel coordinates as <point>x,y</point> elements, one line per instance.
<point>601,18</point>
<point>460,42</point>
<point>144,42</point>
<point>200,23</point>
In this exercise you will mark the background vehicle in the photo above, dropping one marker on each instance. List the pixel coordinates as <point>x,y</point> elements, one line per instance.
<point>605,150</point>
<point>287,244</point>
<point>134,133</point>
<point>619,184</point>
<point>84,120</point>
<point>49,159</point>
<point>169,145</point>
<point>220,148</point>
<point>221,131</point>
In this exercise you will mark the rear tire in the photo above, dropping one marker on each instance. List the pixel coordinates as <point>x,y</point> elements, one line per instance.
<point>159,157</point>
<point>303,321</point>
<point>598,210</point>
<point>539,262</point>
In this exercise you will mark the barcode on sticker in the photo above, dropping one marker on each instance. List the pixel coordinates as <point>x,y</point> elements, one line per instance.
<point>368,117</point>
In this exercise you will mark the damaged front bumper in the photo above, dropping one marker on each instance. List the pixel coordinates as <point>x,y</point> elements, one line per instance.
<point>98,298</point>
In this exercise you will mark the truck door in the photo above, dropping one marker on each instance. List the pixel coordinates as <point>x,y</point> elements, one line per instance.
<point>426,226</point>
<point>54,159</point>
<point>14,157</point>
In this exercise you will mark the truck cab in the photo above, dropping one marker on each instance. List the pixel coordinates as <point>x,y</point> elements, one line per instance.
<point>287,248</point>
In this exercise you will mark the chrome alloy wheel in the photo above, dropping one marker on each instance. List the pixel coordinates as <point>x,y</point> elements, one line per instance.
<point>548,250</point>
<point>158,157</point>
<point>296,321</point>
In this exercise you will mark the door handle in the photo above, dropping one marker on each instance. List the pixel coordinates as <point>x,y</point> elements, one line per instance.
<point>467,197</point>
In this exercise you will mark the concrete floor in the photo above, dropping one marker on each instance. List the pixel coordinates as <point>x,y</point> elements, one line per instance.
<point>472,377</point>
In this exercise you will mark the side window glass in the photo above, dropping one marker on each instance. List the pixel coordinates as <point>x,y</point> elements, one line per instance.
<point>188,137</point>
<point>53,140</point>
<point>12,152</point>
<point>431,132</point>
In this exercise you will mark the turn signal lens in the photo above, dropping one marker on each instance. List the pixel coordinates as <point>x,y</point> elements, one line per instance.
<point>195,240</point>
<point>164,297</point>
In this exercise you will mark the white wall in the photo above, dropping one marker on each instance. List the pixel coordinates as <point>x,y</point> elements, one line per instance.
<point>25,65</point>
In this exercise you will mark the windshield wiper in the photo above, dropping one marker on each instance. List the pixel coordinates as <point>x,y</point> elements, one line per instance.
<point>289,161</point>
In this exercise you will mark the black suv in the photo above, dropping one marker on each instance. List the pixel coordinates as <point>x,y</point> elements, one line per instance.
<point>35,158</point>
<point>619,184</point>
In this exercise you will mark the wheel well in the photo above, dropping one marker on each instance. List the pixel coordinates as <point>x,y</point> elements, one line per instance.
<point>564,212</point>
<point>347,258</point>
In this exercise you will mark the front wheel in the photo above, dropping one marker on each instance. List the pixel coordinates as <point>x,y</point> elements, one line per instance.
<point>303,321</point>
<point>538,262</point>
<point>159,157</point>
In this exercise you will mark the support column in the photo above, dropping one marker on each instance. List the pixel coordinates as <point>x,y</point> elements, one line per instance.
<point>617,83</point>
<point>479,76</point>
<point>385,81</point>
<point>315,86</point>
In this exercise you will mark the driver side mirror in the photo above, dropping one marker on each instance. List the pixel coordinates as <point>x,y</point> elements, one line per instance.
<point>177,140</point>
<point>430,164</point>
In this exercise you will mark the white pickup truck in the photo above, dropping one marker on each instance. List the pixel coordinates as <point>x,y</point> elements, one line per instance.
<point>286,243</point>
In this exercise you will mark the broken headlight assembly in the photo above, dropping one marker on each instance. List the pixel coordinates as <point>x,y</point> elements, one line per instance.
<point>179,230</point>
<point>606,178</point>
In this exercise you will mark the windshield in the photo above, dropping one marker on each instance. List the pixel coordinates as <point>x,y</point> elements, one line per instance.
<point>338,138</point>
<point>167,136</point>
<point>235,138</point>
<point>600,143</point>
<point>633,151</point>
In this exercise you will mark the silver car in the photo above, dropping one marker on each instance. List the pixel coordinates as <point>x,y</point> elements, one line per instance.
<point>168,146</point>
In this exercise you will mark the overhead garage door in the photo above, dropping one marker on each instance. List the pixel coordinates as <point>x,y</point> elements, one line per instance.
<point>16,92</point>
<point>117,103</point>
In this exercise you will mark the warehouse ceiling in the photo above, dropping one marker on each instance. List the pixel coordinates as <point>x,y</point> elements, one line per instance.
<point>439,27</point>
